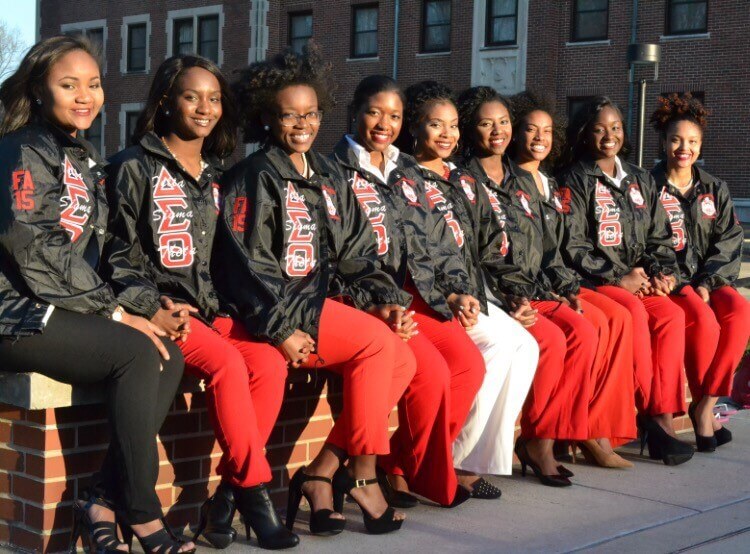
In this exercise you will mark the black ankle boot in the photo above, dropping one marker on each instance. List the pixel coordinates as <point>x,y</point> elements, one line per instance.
<point>217,514</point>
<point>259,514</point>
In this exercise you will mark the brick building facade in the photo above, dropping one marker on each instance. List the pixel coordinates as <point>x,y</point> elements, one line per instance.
<point>573,49</point>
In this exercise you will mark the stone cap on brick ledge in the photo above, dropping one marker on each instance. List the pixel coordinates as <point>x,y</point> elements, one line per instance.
<point>33,391</point>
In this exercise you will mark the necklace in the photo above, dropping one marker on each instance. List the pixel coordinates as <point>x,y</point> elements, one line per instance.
<point>203,164</point>
<point>683,188</point>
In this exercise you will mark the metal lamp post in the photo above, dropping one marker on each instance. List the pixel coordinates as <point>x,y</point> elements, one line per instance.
<point>643,54</point>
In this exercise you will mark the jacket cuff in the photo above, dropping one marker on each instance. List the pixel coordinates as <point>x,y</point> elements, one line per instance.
<point>279,337</point>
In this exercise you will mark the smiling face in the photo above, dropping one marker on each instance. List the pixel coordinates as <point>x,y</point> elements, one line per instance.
<point>197,104</point>
<point>535,137</point>
<point>379,121</point>
<point>437,133</point>
<point>493,129</point>
<point>606,135</point>
<point>73,92</point>
<point>294,100</point>
<point>683,144</point>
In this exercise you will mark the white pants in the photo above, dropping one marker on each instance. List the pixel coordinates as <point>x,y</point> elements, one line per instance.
<point>485,444</point>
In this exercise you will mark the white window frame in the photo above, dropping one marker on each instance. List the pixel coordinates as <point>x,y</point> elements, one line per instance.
<point>127,21</point>
<point>195,13</point>
<point>85,26</point>
<point>124,110</point>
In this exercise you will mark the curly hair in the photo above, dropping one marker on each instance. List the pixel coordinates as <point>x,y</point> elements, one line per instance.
<point>575,144</point>
<point>526,102</point>
<point>223,138</point>
<point>19,92</point>
<point>259,83</point>
<point>469,102</point>
<point>420,97</point>
<point>674,108</point>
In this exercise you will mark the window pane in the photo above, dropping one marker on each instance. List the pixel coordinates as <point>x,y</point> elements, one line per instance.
<point>183,36</point>
<point>366,19</point>
<point>438,13</point>
<point>437,38</point>
<point>301,26</point>
<point>688,17</point>
<point>592,25</point>
<point>96,36</point>
<point>366,44</point>
<point>298,44</point>
<point>94,133</point>
<point>504,29</point>
<point>208,37</point>
<point>137,47</point>
<point>503,7</point>
<point>587,5</point>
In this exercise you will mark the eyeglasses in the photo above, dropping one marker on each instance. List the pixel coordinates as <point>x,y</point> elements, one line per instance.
<point>292,119</point>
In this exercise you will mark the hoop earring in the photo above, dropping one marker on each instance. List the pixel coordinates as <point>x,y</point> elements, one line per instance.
<point>39,102</point>
<point>166,112</point>
<point>266,128</point>
<point>455,149</point>
<point>414,146</point>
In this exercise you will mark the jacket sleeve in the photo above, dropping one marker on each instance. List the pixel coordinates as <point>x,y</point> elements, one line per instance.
<point>357,273</point>
<point>129,269</point>
<point>252,266</point>
<point>39,246</point>
<point>564,280</point>
<point>659,256</point>
<point>721,264</point>
<point>579,248</point>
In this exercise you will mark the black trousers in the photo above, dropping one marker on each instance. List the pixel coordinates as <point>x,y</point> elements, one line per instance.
<point>83,349</point>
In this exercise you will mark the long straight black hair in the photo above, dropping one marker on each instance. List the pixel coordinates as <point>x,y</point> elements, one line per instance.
<point>161,97</point>
<point>20,93</point>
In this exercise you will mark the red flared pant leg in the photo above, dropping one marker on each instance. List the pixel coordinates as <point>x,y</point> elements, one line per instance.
<point>362,350</point>
<point>733,314</point>
<point>701,338</point>
<point>245,387</point>
<point>658,352</point>
<point>611,410</point>
<point>557,405</point>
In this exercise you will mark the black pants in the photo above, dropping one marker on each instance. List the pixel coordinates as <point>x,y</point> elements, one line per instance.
<point>82,349</point>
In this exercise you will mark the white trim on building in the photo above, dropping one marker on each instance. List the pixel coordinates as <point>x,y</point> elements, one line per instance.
<point>85,26</point>
<point>124,110</point>
<point>195,13</point>
<point>127,21</point>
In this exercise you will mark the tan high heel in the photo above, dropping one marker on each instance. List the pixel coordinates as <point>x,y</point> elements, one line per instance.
<point>595,454</point>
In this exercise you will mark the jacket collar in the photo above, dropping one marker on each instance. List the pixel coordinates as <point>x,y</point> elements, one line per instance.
<point>512,171</point>
<point>660,175</point>
<point>152,144</point>
<point>66,140</point>
<point>281,161</point>
<point>433,176</point>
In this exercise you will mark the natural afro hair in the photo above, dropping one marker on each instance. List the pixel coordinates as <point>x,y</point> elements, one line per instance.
<point>258,84</point>
<point>674,108</point>
<point>526,102</point>
<point>469,102</point>
<point>420,97</point>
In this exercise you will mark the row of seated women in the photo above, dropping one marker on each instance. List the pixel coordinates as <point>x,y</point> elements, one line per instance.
<point>461,283</point>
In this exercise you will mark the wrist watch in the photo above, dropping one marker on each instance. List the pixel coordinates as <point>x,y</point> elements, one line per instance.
<point>117,314</point>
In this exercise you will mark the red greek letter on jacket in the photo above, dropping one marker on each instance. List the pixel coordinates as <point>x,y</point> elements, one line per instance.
<point>175,239</point>
<point>75,203</point>
<point>608,214</point>
<point>500,217</point>
<point>371,203</point>
<point>239,214</point>
<point>676,219</point>
<point>23,190</point>
<point>300,251</point>
<point>436,199</point>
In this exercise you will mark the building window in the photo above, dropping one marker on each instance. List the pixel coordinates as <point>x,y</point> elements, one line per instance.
<point>95,133</point>
<point>131,120</point>
<point>95,31</point>
<point>590,20</point>
<point>436,26</point>
<point>502,21</point>
<point>687,17</point>
<point>300,30</point>
<point>576,104</point>
<point>129,114</point>
<point>137,47</point>
<point>196,31</point>
<point>365,31</point>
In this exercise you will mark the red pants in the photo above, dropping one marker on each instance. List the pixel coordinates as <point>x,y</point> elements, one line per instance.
<point>611,387</point>
<point>557,404</point>
<point>245,383</point>
<point>450,371</point>
<point>715,338</point>
<point>658,350</point>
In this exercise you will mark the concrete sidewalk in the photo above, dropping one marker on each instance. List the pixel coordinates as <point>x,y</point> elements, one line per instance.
<point>700,506</point>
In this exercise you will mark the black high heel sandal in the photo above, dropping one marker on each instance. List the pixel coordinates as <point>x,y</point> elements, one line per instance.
<point>163,541</point>
<point>258,513</point>
<point>661,445</point>
<point>395,498</point>
<point>102,535</point>
<point>321,522</point>
<point>703,443</point>
<point>482,489</point>
<point>217,514</point>
<point>343,483</point>
<point>549,480</point>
